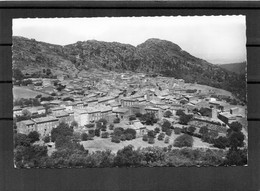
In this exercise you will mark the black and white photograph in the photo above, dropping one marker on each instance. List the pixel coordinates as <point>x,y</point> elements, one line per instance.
<point>109,92</point>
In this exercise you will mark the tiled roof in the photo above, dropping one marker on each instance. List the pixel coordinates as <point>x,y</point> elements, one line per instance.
<point>27,122</point>
<point>45,119</point>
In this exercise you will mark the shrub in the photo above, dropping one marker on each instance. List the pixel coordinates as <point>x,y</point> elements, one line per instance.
<point>91,131</point>
<point>118,131</point>
<point>165,126</point>
<point>38,96</point>
<point>191,129</point>
<point>184,119</point>
<point>183,141</point>
<point>84,136</point>
<point>116,120</point>
<point>122,137</point>
<point>102,121</point>
<point>151,140</point>
<point>221,142</point>
<point>97,132</point>
<point>111,126</point>
<point>169,132</point>
<point>21,140</point>
<point>157,130</point>
<point>151,134</point>
<point>115,139</point>
<point>130,131</point>
<point>167,140</point>
<point>180,112</point>
<point>104,135</point>
<point>34,136</point>
<point>74,124</point>
<point>209,136</point>
<point>167,114</point>
<point>76,136</point>
<point>203,130</point>
<point>91,125</point>
<point>236,157</point>
<point>129,136</point>
<point>138,115</point>
<point>47,139</point>
<point>62,129</point>
<point>103,128</point>
<point>132,117</point>
<point>177,130</point>
<point>145,138</point>
<point>191,90</point>
<point>161,136</point>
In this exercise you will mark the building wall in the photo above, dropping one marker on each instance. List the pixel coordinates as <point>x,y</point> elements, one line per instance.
<point>24,129</point>
<point>223,118</point>
<point>41,111</point>
<point>82,119</point>
<point>18,113</point>
<point>66,119</point>
<point>157,113</point>
<point>45,128</point>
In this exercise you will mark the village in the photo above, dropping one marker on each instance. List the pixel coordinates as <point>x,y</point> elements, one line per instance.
<point>107,100</point>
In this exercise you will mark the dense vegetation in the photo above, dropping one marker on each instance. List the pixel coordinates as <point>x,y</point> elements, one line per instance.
<point>69,153</point>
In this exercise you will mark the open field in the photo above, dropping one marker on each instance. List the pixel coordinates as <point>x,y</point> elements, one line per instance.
<point>24,92</point>
<point>205,88</point>
<point>104,144</point>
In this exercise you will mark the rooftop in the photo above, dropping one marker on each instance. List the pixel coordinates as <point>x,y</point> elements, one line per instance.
<point>45,119</point>
<point>27,122</point>
<point>120,110</point>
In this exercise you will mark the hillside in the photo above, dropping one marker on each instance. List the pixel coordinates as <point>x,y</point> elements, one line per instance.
<point>154,56</point>
<point>238,68</point>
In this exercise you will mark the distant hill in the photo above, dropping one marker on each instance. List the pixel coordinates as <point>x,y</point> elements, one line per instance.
<point>154,56</point>
<point>238,68</point>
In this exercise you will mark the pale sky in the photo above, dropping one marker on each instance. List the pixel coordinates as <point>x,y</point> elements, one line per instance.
<point>217,39</point>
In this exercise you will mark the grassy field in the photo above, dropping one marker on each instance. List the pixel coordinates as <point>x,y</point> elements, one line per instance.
<point>205,89</point>
<point>103,144</point>
<point>24,92</point>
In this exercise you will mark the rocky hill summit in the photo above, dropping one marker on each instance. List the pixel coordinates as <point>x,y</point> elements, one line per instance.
<point>154,56</point>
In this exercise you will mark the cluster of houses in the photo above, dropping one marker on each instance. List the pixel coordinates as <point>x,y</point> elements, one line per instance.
<point>113,95</point>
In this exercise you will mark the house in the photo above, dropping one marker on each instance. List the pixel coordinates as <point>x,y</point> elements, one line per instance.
<point>55,102</point>
<point>234,110</point>
<point>115,105</point>
<point>226,117</point>
<point>40,109</point>
<point>81,116</point>
<point>137,108</point>
<point>217,104</point>
<point>141,100</point>
<point>17,111</point>
<point>35,110</point>
<point>106,100</point>
<point>79,104</point>
<point>121,113</point>
<point>64,116</point>
<point>92,102</point>
<point>57,109</point>
<point>94,114</point>
<point>44,125</point>
<point>138,127</point>
<point>68,105</point>
<point>127,101</point>
<point>25,127</point>
<point>156,111</point>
